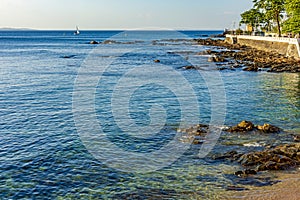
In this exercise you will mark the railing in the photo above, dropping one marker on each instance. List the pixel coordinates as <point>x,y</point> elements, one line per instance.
<point>273,39</point>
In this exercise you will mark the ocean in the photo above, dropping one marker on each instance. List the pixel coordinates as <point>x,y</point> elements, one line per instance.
<point>99,121</point>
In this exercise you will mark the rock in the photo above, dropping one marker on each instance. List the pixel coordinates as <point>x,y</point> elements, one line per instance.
<point>70,56</point>
<point>189,67</point>
<point>248,56</point>
<point>244,126</point>
<point>245,172</point>
<point>94,42</point>
<point>235,188</point>
<point>157,61</point>
<point>197,130</point>
<point>232,155</point>
<point>222,68</point>
<point>296,138</point>
<point>195,134</point>
<point>267,128</point>
<point>278,158</point>
<point>211,59</point>
<point>251,69</point>
<point>216,59</point>
<point>219,59</point>
<point>272,165</point>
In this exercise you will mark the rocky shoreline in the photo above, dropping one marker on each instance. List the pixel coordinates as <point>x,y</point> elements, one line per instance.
<point>279,157</point>
<point>251,59</point>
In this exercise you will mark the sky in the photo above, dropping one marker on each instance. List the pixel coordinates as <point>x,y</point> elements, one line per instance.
<point>122,14</point>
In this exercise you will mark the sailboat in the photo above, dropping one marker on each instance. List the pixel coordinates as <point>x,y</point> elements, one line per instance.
<point>77,31</point>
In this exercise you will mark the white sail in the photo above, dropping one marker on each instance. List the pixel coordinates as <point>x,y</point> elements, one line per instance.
<point>77,32</point>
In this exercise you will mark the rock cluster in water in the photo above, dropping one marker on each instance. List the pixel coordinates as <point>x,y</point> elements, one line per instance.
<point>246,126</point>
<point>242,127</point>
<point>253,59</point>
<point>195,134</point>
<point>278,158</point>
<point>281,157</point>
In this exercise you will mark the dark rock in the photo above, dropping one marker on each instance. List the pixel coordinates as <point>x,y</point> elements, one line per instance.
<point>278,158</point>
<point>235,188</point>
<point>222,68</point>
<point>199,129</point>
<point>232,155</point>
<point>191,67</point>
<point>251,69</point>
<point>246,172</point>
<point>70,56</point>
<point>211,59</point>
<point>216,59</point>
<point>195,134</point>
<point>272,165</point>
<point>296,138</point>
<point>252,57</point>
<point>94,42</point>
<point>219,59</point>
<point>244,126</point>
<point>267,128</point>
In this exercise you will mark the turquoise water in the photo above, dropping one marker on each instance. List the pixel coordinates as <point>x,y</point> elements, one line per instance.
<point>43,154</point>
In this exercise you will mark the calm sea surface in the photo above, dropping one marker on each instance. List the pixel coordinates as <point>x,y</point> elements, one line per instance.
<point>44,153</point>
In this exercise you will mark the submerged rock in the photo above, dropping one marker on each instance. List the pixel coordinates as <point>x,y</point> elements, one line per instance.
<point>216,58</point>
<point>189,67</point>
<point>246,172</point>
<point>69,56</point>
<point>195,134</point>
<point>251,69</point>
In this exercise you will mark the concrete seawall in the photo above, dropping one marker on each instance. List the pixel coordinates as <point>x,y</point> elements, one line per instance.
<point>285,46</point>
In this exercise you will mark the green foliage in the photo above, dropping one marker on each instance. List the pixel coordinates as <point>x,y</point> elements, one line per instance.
<point>267,13</point>
<point>292,24</point>
<point>252,17</point>
<point>292,6</point>
<point>272,10</point>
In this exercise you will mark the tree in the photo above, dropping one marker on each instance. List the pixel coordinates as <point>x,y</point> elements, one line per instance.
<point>252,17</point>
<point>292,24</point>
<point>272,10</point>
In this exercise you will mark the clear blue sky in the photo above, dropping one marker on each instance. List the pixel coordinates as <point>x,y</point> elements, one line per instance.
<point>122,14</point>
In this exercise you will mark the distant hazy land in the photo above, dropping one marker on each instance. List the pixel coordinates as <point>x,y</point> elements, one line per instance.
<point>15,29</point>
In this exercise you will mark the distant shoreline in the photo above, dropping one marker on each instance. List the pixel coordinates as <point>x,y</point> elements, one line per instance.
<point>30,29</point>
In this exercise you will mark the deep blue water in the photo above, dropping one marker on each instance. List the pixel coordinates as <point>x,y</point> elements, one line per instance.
<point>58,94</point>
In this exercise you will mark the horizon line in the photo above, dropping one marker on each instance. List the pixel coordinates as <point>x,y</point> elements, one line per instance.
<point>112,29</point>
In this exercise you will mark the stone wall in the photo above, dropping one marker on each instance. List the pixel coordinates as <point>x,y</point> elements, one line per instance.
<point>285,46</point>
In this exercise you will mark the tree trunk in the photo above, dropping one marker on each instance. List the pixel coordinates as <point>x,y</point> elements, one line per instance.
<point>278,24</point>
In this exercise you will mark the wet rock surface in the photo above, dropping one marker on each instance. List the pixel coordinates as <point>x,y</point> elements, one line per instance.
<point>189,67</point>
<point>252,59</point>
<point>94,42</point>
<point>253,160</point>
<point>195,134</point>
<point>246,126</point>
<point>282,157</point>
<point>278,158</point>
